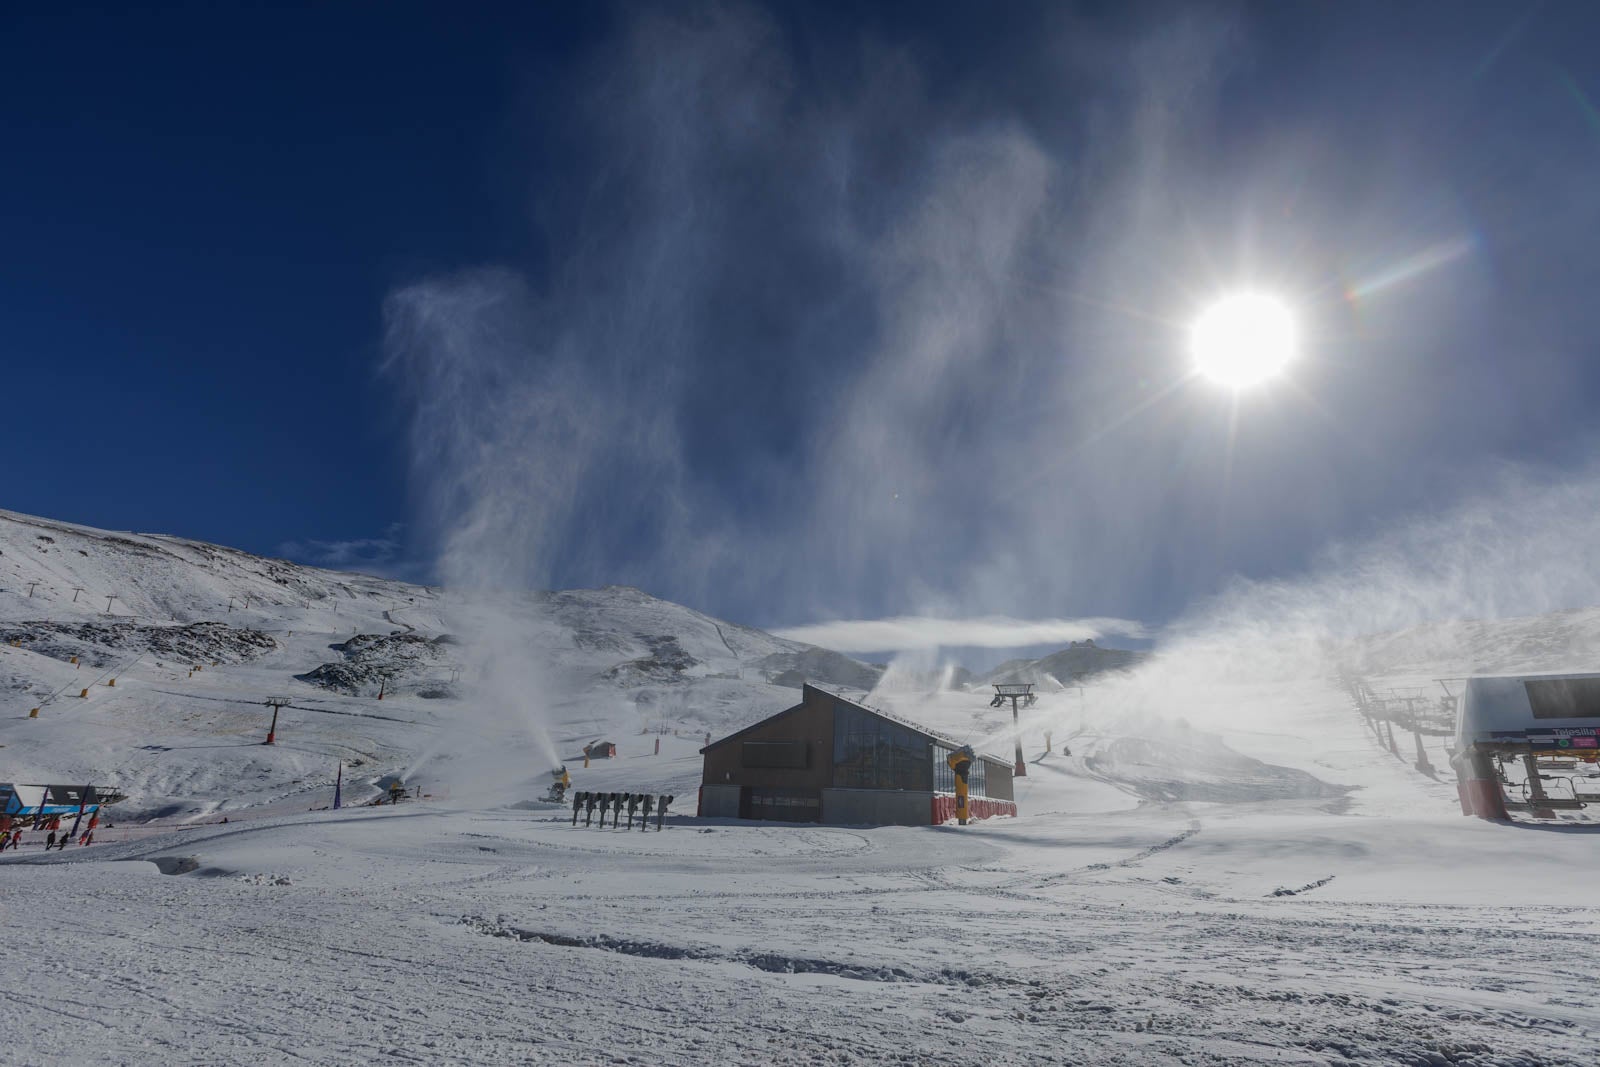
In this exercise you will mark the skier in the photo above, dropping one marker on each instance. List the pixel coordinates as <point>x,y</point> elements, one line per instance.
<point>50,842</point>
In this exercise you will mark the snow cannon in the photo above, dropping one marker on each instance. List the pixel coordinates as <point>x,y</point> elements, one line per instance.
<point>577,803</point>
<point>560,782</point>
<point>661,809</point>
<point>633,807</point>
<point>590,802</point>
<point>960,762</point>
<point>644,820</point>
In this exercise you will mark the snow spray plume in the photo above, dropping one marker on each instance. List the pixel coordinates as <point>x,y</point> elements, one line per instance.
<point>1470,589</point>
<point>544,420</point>
<point>835,281</point>
<point>852,335</point>
<point>485,434</point>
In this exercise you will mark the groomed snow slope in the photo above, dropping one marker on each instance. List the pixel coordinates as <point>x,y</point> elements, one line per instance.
<point>1227,869</point>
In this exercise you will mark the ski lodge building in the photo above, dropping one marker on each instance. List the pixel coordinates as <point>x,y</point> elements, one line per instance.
<point>829,759</point>
<point>45,801</point>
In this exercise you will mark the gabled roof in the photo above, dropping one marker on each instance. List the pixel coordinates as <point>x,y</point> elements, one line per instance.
<point>932,735</point>
<point>719,742</point>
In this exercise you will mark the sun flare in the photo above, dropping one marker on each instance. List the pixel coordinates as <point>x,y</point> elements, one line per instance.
<point>1243,340</point>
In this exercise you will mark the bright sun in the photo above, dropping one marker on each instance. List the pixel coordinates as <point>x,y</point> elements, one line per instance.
<point>1243,340</point>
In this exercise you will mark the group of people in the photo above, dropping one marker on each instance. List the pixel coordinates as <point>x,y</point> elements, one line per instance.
<point>66,839</point>
<point>13,840</point>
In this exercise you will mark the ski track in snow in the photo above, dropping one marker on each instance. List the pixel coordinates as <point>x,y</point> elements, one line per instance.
<point>397,936</point>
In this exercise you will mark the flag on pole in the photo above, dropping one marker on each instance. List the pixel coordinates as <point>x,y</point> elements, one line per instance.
<point>337,782</point>
<point>83,802</point>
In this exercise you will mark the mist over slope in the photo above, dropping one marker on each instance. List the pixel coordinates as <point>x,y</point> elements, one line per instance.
<point>1079,660</point>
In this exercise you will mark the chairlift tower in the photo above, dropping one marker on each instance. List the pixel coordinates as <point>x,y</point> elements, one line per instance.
<point>1015,692</point>
<point>275,703</point>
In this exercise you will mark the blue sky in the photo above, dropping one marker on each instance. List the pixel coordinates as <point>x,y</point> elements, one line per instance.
<point>792,312</point>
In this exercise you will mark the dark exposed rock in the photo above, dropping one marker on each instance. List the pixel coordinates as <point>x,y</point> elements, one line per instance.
<point>667,662</point>
<point>371,659</point>
<point>98,644</point>
<point>792,669</point>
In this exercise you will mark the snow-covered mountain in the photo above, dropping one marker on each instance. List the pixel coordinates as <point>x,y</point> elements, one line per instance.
<point>178,639</point>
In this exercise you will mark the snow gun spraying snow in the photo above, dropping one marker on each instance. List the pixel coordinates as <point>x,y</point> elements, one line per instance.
<point>960,762</point>
<point>561,781</point>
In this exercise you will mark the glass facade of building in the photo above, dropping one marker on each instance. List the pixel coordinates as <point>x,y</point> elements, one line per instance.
<point>873,753</point>
<point>870,752</point>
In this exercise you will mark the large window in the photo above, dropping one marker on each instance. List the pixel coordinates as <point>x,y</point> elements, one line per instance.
<point>1564,698</point>
<point>873,753</point>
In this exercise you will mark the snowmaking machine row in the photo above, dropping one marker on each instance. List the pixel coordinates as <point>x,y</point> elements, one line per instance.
<point>587,804</point>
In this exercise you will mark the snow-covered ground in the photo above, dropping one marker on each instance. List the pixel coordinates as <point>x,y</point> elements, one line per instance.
<point>1229,872</point>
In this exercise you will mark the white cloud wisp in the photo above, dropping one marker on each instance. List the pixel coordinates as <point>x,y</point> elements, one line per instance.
<point>906,633</point>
